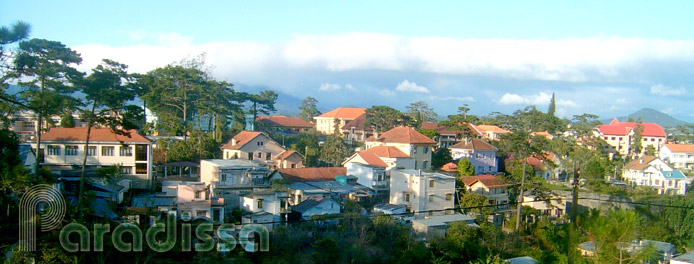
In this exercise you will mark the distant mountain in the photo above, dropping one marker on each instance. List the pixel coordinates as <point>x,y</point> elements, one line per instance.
<point>649,115</point>
<point>286,104</point>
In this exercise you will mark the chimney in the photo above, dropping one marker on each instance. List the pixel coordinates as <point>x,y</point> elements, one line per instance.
<point>641,161</point>
<point>233,142</point>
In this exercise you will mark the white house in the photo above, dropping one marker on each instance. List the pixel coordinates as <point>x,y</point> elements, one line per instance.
<point>132,152</point>
<point>316,206</point>
<point>619,136</point>
<point>436,226</point>
<point>654,172</point>
<point>372,166</point>
<point>325,123</point>
<point>232,179</point>
<point>258,146</point>
<point>490,186</point>
<point>422,192</point>
<point>681,156</point>
<point>264,207</point>
<point>481,154</point>
<point>409,141</point>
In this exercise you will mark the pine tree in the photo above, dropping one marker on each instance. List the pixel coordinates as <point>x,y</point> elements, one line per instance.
<point>552,106</point>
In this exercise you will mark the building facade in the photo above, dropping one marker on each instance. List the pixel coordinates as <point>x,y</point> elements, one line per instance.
<point>325,123</point>
<point>481,154</point>
<point>425,194</point>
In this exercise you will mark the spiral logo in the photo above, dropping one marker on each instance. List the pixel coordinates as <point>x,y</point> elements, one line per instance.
<point>41,204</point>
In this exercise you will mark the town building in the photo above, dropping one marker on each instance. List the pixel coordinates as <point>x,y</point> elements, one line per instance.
<point>355,131</point>
<point>492,132</point>
<point>292,175</point>
<point>325,123</point>
<point>372,166</point>
<point>64,148</point>
<point>619,136</point>
<point>258,146</point>
<point>655,173</point>
<point>266,207</point>
<point>315,207</point>
<point>424,193</point>
<point>409,141</point>
<point>437,226</point>
<point>284,125</point>
<point>490,186</point>
<point>448,136</point>
<point>481,154</point>
<point>681,156</point>
<point>232,179</point>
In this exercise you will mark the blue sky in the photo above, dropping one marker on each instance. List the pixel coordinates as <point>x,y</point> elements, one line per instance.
<point>609,58</point>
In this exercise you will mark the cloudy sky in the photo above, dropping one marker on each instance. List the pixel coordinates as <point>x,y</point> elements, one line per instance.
<point>609,58</point>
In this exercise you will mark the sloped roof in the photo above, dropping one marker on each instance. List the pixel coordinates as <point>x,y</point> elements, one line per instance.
<point>674,175</point>
<point>492,128</point>
<point>285,154</point>
<point>357,123</point>
<point>622,129</point>
<point>386,152</point>
<point>535,162</point>
<point>241,139</point>
<point>96,134</point>
<point>372,159</point>
<point>345,113</point>
<point>283,121</point>
<point>542,133</point>
<point>640,163</point>
<point>680,148</point>
<point>450,167</point>
<point>488,180</point>
<point>312,174</point>
<point>405,135</point>
<point>308,204</point>
<point>474,144</point>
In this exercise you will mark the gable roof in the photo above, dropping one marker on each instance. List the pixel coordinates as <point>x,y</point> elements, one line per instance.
<point>623,128</point>
<point>492,128</point>
<point>640,163</point>
<point>283,121</point>
<point>488,180</point>
<point>96,134</point>
<point>450,167</point>
<point>372,159</point>
<point>543,134</point>
<point>344,113</point>
<point>358,124</point>
<point>285,154</point>
<point>386,152</point>
<point>680,148</point>
<point>241,139</point>
<point>474,144</point>
<point>674,175</point>
<point>405,135</point>
<point>535,162</point>
<point>312,174</point>
<point>308,204</point>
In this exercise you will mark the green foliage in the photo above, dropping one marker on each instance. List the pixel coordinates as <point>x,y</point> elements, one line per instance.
<point>198,146</point>
<point>650,150</point>
<point>384,118</point>
<point>471,199</point>
<point>421,112</point>
<point>334,150</point>
<point>66,120</point>
<point>636,145</point>
<point>431,133</point>
<point>465,167</point>
<point>307,144</point>
<point>309,109</point>
<point>440,157</point>
<point>611,235</point>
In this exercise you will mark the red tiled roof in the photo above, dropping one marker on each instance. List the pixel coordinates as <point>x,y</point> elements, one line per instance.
<point>542,133</point>
<point>405,135</point>
<point>241,139</point>
<point>283,121</point>
<point>96,134</point>
<point>536,163</point>
<point>492,128</point>
<point>357,123</point>
<point>285,154</point>
<point>386,152</point>
<point>345,113</point>
<point>449,167</point>
<point>640,163</point>
<point>622,129</point>
<point>372,159</point>
<point>475,144</point>
<point>312,174</point>
<point>682,148</point>
<point>487,179</point>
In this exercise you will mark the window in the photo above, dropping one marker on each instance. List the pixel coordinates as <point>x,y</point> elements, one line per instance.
<point>425,164</point>
<point>293,166</point>
<point>612,138</point>
<point>91,151</point>
<point>414,150</point>
<point>260,203</point>
<point>250,156</point>
<point>126,151</point>
<point>431,183</point>
<point>259,154</point>
<point>415,164</point>
<point>426,150</point>
<point>259,143</point>
<point>141,168</point>
<point>657,182</point>
<point>141,152</point>
<point>126,170</point>
<point>70,150</point>
<point>224,178</point>
<point>431,198</point>
<point>198,194</point>
<point>200,213</point>
<point>491,202</point>
<point>106,151</point>
<point>407,197</point>
<point>449,196</point>
<point>268,156</point>
<point>53,150</point>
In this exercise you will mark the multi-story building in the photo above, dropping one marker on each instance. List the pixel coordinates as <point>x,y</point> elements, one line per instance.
<point>64,148</point>
<point>265,207</point>
<point>425,194</point>
<point>490,186</point>
<point>372,166</point>
<point>25,123</point>
<point>409,141</point>
<point>655,173</point>
<point>449,137</point>
<point>619,136</point>
<point>492,132</point>
<point>232,179</point>
<point>354,131</point>
<point>681,156</point>
<point>283,124</point>
<point>258,146</point>
<point>325,123</point>
<point>481,154</point>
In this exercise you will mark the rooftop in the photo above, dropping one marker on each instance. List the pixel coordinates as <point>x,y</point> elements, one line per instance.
<point>686,258</point>
<point>285,154</point>
<point>640,163</point>
<point>95,135</point>
<point>283,121</point>
<point>312,174</point>
<point>623,128</point>
<point>405,135</point>
<point>425,174</point>
<point>680,148</point>
<point>308,204</point>
<point>240,139</point>
<point>445,219</point>
<point>233,163</point>
<point>474,144</point>
<point>486,179</point>
<point>344,113</point>
<point>491,128</point>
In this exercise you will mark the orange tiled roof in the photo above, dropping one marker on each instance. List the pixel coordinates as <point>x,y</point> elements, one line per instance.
<point>542,133</point>
<point>488,180</point>
<point>241,139</point>
<point>475,144</point>
<point>682,148</point>
<point>345,113</point>
<point>492,128</point>
<point>285,154</point>
<point>449,167</point>
<point>640,163</point>
<point>386,152</point>
<point>283,121</point>
<point>357,123</point>
<point>312,174</point>
<point>372,159</point>
<point>96,134</point>
<point>405,135</point>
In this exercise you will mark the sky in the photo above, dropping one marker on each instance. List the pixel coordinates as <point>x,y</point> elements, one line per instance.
<point>609,58</point>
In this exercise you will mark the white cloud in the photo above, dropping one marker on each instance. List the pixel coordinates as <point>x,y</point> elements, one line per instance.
<point>329,87</point>
<point>621,101</point>
<point>566,103</point>
<point>453,98</point>
<point>660,89</point>
<point>407,86</point>
<point>386,92</point>
<point>541,98</point>
<point>350,87</point>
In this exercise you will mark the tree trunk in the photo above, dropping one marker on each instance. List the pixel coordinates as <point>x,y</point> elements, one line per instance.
<point>520,200</point>
<point>39,154</point>
<point>84,161</point>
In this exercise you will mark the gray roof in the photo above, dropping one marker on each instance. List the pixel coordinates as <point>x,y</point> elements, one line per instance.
<point>308,204</point>
<point>333,186</point>
<point>389,206</point>
<point>150,201</point>
<point>660,246</point>
<point>426,174</point>
<point>522,260</point>
<point>686,258</point>
<point>588,245</point>
<point>445,219</point>
<point>305,188</point>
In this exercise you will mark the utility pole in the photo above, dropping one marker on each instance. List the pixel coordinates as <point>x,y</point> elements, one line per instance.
<point>520,200</point>
<point>574,198</point>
